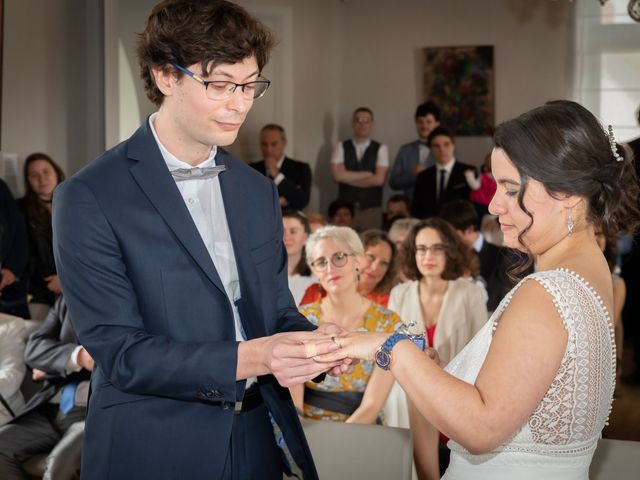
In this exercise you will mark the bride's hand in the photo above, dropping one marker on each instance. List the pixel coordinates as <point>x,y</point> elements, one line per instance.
<point>361,346</point>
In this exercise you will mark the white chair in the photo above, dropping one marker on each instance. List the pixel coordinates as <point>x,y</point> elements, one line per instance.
<point>344,451</point>
<point>615,459</point>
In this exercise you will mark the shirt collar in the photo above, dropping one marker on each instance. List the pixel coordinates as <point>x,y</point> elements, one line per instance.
<point>447,167</point>
<point>281,161</point>
<point>170,159</point>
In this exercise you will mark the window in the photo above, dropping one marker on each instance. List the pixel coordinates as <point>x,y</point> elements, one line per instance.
<point>607,66</point>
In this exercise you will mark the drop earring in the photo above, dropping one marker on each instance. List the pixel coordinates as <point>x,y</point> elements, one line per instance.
<point>357,275</point>
<point>570,224</point>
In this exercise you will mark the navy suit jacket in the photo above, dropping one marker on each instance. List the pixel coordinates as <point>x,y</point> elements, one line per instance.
<point>296,185</point>
<point>425,202</point>
<point>147,303</point>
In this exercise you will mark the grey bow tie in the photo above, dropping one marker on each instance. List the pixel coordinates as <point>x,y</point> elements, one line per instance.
<point>197,173</point>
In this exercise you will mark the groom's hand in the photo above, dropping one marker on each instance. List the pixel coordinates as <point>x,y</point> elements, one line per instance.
<point>290,356</point>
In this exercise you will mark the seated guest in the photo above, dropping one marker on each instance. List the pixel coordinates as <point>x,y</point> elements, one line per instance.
<point>14,254</point>
<point>55,356</point>
<point>399,230</point>
<point>495,262</point>
<point>397,234</point>
<point>438,301</point>
<point>443,182</point>
<point>397,207</point>
<point>359,165</point>
<point>356,397</point>
<point>12,368</point>
<point>41,176</point>
<point>415,157</point>
<point>316,221</point>
<point>341,213</point>
<point>377,274</point>
<point>296,233</point>
<point>292,177</point>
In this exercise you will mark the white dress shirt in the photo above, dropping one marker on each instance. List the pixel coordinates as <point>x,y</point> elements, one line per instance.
<point>423,152</point>
<point>447,168</point>
<point>280,177</point>
<point>204,201</point>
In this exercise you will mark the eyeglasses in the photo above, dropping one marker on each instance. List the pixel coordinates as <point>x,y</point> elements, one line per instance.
<point>436,249</point>
<point>362,120</point>
<point>338,259</point>
<point>222,89</point>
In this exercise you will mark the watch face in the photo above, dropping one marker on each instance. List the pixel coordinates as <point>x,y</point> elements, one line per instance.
<point>383,359</point>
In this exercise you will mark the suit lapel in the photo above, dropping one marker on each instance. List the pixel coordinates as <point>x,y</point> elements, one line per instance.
<point>236,204</point>
<point>286,167</point>
<point>150,172</point>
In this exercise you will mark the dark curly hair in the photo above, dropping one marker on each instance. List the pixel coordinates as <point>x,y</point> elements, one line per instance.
<point>563,146</point>
<point>371,238</point>
<point>458,257</point>
<point>209,32</point>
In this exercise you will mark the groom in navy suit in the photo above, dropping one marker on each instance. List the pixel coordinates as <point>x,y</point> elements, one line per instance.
<point>170,254</point>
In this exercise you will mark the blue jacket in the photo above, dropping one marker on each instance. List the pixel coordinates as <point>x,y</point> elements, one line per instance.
<point>147,303</point>
<point>402,177</point>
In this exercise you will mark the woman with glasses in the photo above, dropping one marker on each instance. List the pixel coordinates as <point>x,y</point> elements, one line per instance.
<point>357,397</point>
<point>296,233</point>
<point>41,176</point>
<point>377,270</point>
<point>438,302</point>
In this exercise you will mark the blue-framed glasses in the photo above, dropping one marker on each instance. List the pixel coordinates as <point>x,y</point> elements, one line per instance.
<point>222,89</point>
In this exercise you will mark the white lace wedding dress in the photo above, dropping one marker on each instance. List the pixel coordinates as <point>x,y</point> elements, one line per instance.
<point>558,440</point>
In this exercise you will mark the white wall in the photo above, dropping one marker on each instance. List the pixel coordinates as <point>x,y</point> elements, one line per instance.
<point>382,62</point>
<point>344,53</point>
<point>52,80</point>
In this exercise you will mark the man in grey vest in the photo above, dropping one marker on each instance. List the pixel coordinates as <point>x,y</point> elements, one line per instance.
<point>360,166</point>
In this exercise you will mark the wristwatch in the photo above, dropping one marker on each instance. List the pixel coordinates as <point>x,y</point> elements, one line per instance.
<point>383,354</point>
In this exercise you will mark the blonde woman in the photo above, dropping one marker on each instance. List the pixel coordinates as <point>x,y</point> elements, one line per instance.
<point>357,397</point>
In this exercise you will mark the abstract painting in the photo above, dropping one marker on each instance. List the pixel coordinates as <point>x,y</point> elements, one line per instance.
<point>459,81</point>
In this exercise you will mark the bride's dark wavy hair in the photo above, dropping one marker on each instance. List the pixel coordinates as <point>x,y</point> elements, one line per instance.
<point>563,146</point>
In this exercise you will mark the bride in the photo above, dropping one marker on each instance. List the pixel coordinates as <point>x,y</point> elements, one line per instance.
<point>529,395</point>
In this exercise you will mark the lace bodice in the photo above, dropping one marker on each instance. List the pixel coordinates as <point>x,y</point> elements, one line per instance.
<point>567,423</point>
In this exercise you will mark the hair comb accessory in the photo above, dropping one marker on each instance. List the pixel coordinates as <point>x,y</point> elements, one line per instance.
<point>614,147</point>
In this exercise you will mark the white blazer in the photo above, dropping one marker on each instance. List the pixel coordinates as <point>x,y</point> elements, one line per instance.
<point>463,312</point>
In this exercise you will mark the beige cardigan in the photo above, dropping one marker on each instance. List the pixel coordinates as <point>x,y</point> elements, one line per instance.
<point>462,314</point>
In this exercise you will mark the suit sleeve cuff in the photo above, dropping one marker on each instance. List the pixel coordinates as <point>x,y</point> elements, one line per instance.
<point>72,364</point>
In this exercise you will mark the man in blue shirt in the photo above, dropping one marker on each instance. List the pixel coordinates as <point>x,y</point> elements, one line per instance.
<point>414,157</point>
